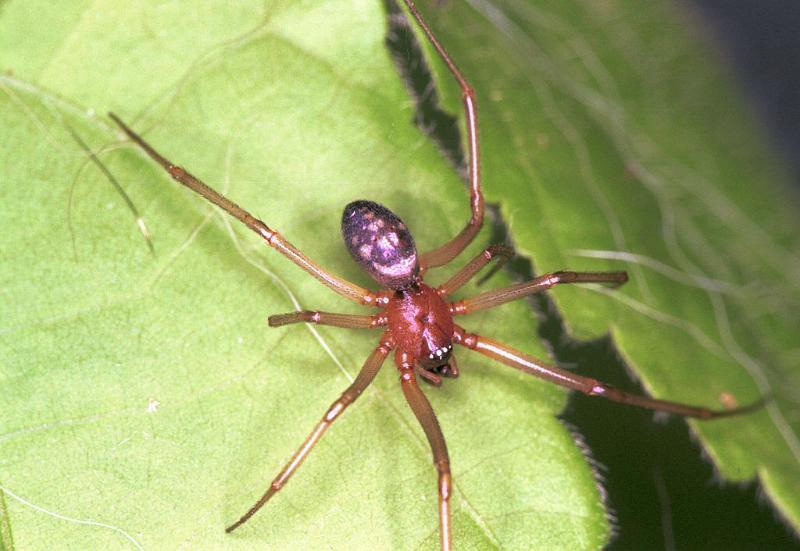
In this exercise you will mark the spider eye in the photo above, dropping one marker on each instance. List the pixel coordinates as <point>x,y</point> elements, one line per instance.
<point>379,241</point>
<point>436,357</point>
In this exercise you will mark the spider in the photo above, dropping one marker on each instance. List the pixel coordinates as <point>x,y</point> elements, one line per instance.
<point>418,319</point>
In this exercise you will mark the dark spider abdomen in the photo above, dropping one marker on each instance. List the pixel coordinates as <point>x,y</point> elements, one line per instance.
<point>422,326</point>
<point>379,241</point>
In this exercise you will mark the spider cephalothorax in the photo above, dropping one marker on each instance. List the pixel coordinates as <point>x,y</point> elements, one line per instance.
<point>422,326</point>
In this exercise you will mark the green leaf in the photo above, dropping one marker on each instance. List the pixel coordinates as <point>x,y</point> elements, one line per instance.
<point>611,133</point>
<point>143,399</point>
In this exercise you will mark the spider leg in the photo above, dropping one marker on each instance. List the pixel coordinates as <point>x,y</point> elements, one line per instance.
<point>474,266</point>
<point>490,299</point>
<point>450,250</point>
<point>427,418</point>
<point>451,369</point>
<point>273,238</point>
<point>429,377</point>
<point>348,321</point>
<point>592,387</point>
<point>363,380</point>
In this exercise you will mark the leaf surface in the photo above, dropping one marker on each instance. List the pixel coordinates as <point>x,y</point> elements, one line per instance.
<point>144,402</point>
<point>611,136</point>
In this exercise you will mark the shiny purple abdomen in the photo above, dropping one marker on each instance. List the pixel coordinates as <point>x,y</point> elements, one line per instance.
<point>381,243</point>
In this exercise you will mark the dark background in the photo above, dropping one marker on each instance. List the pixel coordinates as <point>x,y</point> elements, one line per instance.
<point>761,40</point>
